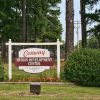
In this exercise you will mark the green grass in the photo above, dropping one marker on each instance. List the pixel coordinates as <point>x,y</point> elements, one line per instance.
<point>20,75</point>
<point>48,92</point>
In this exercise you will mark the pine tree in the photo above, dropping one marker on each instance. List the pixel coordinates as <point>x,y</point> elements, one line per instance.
<point>29,20</point>
<point>87,18</point>
<point>83,23</point>
<point>69,45</point>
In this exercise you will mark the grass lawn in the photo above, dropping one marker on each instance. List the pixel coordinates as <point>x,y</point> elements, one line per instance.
<point>49,92</point>
<point>21,76</point>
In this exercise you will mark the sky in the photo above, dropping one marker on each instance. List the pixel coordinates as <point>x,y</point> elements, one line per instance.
<point>76,18</point>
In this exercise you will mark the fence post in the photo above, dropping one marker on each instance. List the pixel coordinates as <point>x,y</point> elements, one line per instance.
<point>10,59</point>
<point>58,58</point>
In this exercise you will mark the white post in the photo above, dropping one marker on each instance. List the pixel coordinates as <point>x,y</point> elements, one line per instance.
<point>58,58</point>
<point>10,59</point>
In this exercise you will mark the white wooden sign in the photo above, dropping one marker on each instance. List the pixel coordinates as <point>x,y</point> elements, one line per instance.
<point>34,52</point>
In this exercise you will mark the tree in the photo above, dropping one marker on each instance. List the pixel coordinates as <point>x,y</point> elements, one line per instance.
<point>42,18</point>
<point>92,42</point>
<point>69,45</point>
<point>29,20</point>
<point>9,27</point>
<point>37,17</point>
<point>83,22</point>
<point>87,18</point>
<point>24,20</point>
<point>95,31</point>
<point>94,18</point>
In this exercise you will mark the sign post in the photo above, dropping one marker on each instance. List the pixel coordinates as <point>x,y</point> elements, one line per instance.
<point>10,44</point>
<point>58,58</point>
<point>10,60</point>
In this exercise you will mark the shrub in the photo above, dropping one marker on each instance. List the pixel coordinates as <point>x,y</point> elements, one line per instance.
<point>83,67</point>
<point>1,72</point>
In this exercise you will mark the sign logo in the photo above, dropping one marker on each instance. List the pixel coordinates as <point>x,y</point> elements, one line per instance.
<point>34,52</point>
<point>34,60</point>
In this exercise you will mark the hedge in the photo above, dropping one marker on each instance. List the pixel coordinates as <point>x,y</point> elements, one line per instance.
<point>83,67</point>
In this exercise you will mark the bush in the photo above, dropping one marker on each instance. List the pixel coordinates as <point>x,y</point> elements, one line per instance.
<point>83,67</point>
<point>1,72</point>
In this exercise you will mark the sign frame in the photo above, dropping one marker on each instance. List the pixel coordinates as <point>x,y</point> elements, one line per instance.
<point>10,44</point>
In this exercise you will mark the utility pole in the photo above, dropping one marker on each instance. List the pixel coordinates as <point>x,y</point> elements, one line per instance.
<point>77,26</point>
<point>69,40</point>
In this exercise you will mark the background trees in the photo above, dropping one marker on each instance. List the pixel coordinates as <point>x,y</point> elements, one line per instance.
<point>29,20</point>
<point>29,17</point>
<point>90,16</point>
<point>42,19</point>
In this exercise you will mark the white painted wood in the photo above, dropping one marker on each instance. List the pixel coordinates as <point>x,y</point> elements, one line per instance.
<point>58,58</point>
<point>10,60</point>
<point>51,43</point>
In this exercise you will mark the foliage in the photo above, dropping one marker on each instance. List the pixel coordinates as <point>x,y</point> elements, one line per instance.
<point>96,32</point>
<point>92,42</point>
<point>83,67</point>
<point>1,72</point>
<point>91,2</point>
<point>93,18</point>
<point>29,21</point>
<point>9,22</point>
<point>90,16</point>
<point>41,18</point>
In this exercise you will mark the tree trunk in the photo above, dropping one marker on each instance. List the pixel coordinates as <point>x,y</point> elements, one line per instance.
<point>24,20</point>
<point>69,41</point>
<point>27,22</point>
<point>83,24</point>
